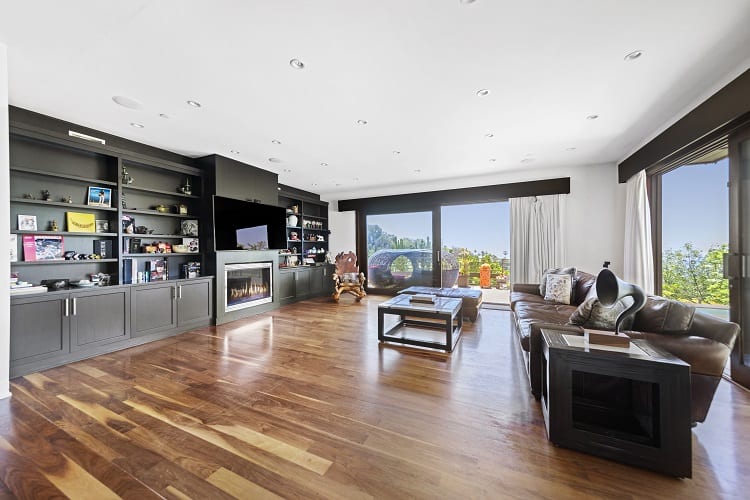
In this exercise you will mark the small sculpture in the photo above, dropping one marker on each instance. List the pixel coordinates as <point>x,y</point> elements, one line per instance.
<point>126,177</point>
<point>53,225</point>
<point>46,196</point>
<point>67,199</point>
<point>185,188</point>
<point>28,196</point>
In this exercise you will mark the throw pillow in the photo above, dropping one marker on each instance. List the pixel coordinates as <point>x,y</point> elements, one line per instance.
<point>592,314</point>
<point>558,288</point>
<point>560,270</point>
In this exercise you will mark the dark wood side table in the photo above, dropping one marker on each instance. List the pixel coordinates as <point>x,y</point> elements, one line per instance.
<point>631,407</point>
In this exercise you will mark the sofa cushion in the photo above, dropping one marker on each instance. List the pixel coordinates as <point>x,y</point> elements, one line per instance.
<point>582,282</point>
<point>516,297</point>
<point>592,314</point>
<point>706,356</point>
<point>549,312</point>
<point>660,315</point>
<point>558,270</point>
<point>559,288</point>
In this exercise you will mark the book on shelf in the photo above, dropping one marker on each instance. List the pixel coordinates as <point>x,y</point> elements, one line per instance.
<point>129,271</point>
<point>190,270</point>
<point>42,247</point>
<point>156,270</point>
<point>13,248</point>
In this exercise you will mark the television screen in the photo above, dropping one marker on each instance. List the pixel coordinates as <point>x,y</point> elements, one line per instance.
<point>245,225</point>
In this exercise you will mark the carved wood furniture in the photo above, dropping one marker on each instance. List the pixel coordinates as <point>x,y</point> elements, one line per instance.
<point>347,277</point>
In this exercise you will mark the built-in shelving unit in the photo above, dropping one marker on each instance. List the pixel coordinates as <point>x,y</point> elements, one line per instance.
<point>307,218</point>
<point>51,175</point>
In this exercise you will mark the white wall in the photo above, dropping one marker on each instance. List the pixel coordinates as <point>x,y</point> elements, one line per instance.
<point>594,215</point>
<point>4,227</point>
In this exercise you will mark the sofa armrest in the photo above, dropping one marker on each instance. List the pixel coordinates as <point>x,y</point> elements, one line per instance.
<point>525,288</point>
<point>716,329</point>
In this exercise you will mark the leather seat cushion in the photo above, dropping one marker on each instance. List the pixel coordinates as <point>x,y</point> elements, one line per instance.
<point>705,356</point>
<point>516,297</point>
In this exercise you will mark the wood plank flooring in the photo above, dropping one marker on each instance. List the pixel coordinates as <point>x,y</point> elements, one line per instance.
<point>303,402</point>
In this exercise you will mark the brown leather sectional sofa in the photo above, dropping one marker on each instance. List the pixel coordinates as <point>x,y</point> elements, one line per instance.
<point>703,341</point>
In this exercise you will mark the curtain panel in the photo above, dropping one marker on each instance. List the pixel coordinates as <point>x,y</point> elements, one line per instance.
<point>536,236</point>
<point>638,265</point>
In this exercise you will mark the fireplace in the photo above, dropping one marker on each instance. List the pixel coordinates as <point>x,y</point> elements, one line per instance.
<point>247,285</point>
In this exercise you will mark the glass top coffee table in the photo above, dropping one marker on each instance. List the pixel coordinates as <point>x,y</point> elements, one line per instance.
<point>444,313</point>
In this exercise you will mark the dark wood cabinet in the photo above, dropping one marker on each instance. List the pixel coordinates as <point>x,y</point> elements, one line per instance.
<point>234,179</point>
<point>286,285</point>
<point>99,317</point>
<point>154,309</point>
<point>194,306</point>
<point>298,283</point>
<point>39,328</point>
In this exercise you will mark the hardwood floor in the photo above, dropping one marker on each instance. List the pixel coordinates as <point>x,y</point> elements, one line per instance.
<point>303,402</point>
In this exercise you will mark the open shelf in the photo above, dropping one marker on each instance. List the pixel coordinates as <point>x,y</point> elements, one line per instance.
<point>159,191</point>
<point>64,262</point>
<point>61,204</point>
<point>159,214</point>
<point>63,233</point>
<point>171,254</point>
<point>89,180</point>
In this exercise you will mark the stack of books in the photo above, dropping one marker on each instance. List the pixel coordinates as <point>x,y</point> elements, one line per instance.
<point>422,298</point>
<point>18,287</point>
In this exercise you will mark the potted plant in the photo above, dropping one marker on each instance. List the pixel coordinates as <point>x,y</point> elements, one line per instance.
<point>463,268</point>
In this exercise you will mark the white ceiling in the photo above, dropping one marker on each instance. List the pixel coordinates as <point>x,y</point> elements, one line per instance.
<point>410,68</point>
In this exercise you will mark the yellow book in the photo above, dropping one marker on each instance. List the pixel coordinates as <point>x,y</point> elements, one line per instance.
<point>81,223</point>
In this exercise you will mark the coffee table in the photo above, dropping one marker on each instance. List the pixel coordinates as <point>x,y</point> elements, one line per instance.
<point>445,313</point>
<point>632,407</point>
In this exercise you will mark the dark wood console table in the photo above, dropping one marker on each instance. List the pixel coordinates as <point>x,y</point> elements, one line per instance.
<point>632,407</point>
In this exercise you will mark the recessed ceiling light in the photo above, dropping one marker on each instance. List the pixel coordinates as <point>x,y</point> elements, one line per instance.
<point>467,2</point>
<point>127,102</point>
<point>274,160</point>
<point>163,115</point>
<point>396,152</point>
<point>634,55</point>
<point>483,92</point>
<point>288,170</point>
<point>337,184</point>
<point>194,104</point>
<point>136,125</point>
<point>592,117</point>
<point>416,170</point>
<point>489,135</point>
<point>314,184</point>
<point>276,141</point>
<point>570,149</point>
<point>493,160</point>
<point>324,164</point>
<point>361,122</point>
<point>527,160</point>
<point>234,151</point>
<point>297,64</point>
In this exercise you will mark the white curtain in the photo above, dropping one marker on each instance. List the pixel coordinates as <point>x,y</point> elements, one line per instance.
<point>536,236</point>
<point>638,267</point>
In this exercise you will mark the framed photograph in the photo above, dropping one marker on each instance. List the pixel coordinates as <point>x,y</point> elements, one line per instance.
<point>99,197</point>
<point>189,227</point>
<point>191,244</point>
<point>27,222</point>
<point>102,226</point>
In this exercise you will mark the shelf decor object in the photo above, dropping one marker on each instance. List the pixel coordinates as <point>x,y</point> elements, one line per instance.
<point>80,222</point>
<point>27,222</point>
<point>610,290</point>
<point>99,196</point>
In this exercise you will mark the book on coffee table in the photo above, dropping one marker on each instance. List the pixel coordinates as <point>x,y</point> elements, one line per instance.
<point>422,298</point>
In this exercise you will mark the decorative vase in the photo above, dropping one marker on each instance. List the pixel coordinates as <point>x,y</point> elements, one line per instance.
<point>291,221</point>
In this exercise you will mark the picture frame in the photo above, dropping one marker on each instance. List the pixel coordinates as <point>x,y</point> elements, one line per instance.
<point>78,222</point>
<point>192,244</point>
<point>27,223</point>
<point>102,226</point>
<point>99,197</point>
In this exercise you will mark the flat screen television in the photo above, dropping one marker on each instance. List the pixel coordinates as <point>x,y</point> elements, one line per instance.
<point>245,225</point>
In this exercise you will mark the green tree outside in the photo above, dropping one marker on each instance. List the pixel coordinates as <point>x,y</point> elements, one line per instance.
<point>693,275</point>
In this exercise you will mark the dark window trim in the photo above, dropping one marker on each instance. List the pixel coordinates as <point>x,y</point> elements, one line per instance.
<point>425,201</point>
<point>723,112</point>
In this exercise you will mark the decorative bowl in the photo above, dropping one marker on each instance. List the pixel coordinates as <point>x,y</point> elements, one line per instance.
<point>180,249</point>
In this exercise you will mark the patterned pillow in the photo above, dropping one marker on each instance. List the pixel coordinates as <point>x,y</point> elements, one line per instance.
<point>558,288</point>
<point>591,314</point>
<point>560,270</point>
<point>351,278</point>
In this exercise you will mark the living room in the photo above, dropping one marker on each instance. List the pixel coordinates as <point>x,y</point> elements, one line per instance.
<point>450,102</point>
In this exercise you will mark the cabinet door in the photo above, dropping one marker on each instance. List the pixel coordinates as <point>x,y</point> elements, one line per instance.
<point>194,303</point>
<point>39,328</point>
<point>286,285</point>
<point>316,280</point>
<point>302,283</point>
<point>328,285</point>
<point>153,309</point>
<point>99,317</point>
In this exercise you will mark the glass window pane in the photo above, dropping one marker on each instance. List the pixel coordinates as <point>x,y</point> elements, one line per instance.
<point>399,250</point>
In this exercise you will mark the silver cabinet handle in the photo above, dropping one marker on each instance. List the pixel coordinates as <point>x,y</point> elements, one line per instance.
<point>75,309</point>
<point>179,291</point>
<point>67,307</point>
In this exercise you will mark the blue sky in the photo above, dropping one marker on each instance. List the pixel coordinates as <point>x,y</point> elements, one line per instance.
<point>695,205</point>
<point>481,226</point>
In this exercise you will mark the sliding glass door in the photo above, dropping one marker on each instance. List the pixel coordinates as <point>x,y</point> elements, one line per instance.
<point>738,268</point>
<point>399,251</point>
